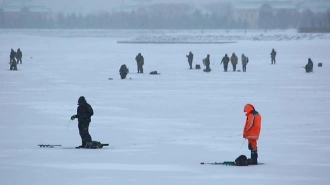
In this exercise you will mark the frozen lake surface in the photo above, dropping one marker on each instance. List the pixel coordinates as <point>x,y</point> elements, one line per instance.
<point>160,127</point>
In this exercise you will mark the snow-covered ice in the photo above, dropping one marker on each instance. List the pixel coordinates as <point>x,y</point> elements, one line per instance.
<point>160,127</point>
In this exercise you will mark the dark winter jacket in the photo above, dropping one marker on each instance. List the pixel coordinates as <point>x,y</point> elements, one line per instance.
<point>206,61</point>
<point>245,60</point>
<point>12,54</point>
<point>123,69</point>
<point>309,66</point>
<point>139,59</point>
<point>19,54</point>
<point>84,110</point>
<point>190,57</point>
<point>225,60</point>
<point>273,53</point>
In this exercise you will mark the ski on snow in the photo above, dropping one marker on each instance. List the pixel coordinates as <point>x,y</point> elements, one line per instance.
<point>226,163</point>
<point>60,146</point>
<point>47,146</point>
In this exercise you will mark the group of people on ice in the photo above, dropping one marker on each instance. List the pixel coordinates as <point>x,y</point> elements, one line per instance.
<point>234,61</point>
<point>123,71</point>
<point>15,58</point>
<point>225,61</point>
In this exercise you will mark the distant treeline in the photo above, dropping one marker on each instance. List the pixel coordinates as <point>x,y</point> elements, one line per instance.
<point>165,16</point>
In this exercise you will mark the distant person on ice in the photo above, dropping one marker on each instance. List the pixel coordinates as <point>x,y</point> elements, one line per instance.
<point>245,61</point>
<point>140,62</point>
<point>12,62</point>
<point>225,61</point>
<point>206,62</point>
<point>234,61</point>
<point>84,114</point>
<point>19,56</point>
<point>123,71</point>
<point>251,131</point>
<point>190,57</point>
<point>309,66</point>
<point>273,56</point>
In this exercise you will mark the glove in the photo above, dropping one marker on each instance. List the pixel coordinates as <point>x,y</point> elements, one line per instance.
<point>73,117</point>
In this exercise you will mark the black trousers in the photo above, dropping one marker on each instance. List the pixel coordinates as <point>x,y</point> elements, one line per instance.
<point>244,68</point>
<point>19,60</point>
<point>234,67</point>
<point>13,66</point>
<point>190,64</point>
<point>225,67</point>
<point>140,68</point>
<point>83,132</point>
<point>273,60</point>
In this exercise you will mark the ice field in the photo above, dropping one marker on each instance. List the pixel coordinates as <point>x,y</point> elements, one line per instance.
<point>160,127</point>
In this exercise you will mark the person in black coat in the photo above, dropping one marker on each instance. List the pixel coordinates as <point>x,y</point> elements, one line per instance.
<point>225,61</point>
<point>206,62</point>
<point>190,59</point>
<point>19,56</point>
<point>13,63</point>
<point>140,62</point>
<point>273,56</point>
<point>84,114</point>
<point>245,61</point>
<point>309,66</point>
<point>123,71</point>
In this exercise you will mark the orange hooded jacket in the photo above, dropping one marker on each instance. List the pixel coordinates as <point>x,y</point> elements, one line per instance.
<point>253,123</point>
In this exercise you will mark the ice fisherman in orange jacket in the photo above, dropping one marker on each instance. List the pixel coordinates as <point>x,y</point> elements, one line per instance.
<point>251,131</point>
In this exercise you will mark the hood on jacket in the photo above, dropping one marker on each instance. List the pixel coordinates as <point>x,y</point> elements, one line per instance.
<point>248,108</point>
<point>81,100</point>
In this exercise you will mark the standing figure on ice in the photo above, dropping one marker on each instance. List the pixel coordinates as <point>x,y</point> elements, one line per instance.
<point>19,56</point>
<point>123,71</point>
<point>206,62</point>
<point>309,66</point>
<point>190,57</point>
<point>140,62</point>
<point>12,62</point>
<point>245,61</point>
<point>251,131</point>
<point>273,56</point>
<point>84,114</point>
<point>225,61</point>
<point>234,61</point>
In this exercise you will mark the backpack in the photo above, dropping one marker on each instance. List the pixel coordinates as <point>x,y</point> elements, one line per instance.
<point>154,73</point>
<point>241,161</point>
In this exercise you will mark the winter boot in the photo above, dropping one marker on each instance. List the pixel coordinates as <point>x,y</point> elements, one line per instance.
<point>81,146</point>
<point>254,158</point>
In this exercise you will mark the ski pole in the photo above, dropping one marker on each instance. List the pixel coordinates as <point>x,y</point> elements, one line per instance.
<point>68,124</point>
<point>242,144</point>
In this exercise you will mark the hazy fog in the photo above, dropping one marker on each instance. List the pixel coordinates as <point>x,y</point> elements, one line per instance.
<point>169,14</point>
<point>106,5</point>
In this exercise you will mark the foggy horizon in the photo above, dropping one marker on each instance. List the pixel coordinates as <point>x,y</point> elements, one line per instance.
<point>168,14</point>
<point>86,6</point>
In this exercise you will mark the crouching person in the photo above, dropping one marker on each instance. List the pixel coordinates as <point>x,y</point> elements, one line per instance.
<point>309,66</point>
<point>123,71</point>
<point>13,64</point>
